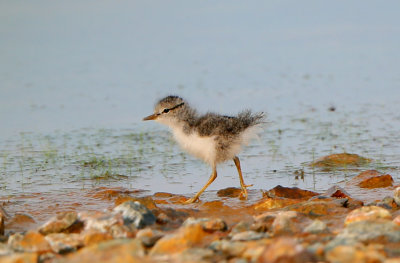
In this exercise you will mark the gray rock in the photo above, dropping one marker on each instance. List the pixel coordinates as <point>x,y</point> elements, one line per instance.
<point>148,236</point>
<point>370,230</point>
<point>249,235</point>
<point>229,248</point>
<point>196,255</point>
<point>365,231</point>
<point>135,213</point>
<point>208,224</point>
<point>316,227</point>
<point>100,223</point>
<point>59,223</point>
<point>284,223</point>
<point>240,227</point>
<point>64,243</point>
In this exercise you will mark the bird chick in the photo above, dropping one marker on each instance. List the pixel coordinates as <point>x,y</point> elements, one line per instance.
<point>211,137</point>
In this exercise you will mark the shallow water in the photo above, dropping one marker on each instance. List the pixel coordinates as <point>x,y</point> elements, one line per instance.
<point>77,78</point>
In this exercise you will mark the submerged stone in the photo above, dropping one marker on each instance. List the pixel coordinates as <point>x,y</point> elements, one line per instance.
<point>229,192</point>
<point>341,160</point>
<point>371,179</point>
<point>385,180</point>
<point>135,213</point>
<point>289,192</point>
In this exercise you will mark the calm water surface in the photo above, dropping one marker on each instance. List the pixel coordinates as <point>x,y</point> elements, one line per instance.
<point>76,79</point>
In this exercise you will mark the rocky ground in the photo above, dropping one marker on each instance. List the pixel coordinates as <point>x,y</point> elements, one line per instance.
<point>284,225</point>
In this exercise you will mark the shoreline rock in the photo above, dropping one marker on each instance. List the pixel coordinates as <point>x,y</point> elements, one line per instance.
<point>285,225</point>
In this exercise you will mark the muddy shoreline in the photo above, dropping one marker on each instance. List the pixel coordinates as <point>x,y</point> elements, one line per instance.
<point>281,224</point>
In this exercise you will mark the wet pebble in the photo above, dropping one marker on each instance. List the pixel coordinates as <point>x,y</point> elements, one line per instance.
<point>20,258</point>
<point>93,237</point>
<point>229,248</point>
<point>285,250</point>
<point>337,192</point>
<point>196,255</point>
<point>149,236</point>
<point>100,221</point>
<point>187,236</point>
<point>31,241</point>
<point>116,250</point>
<point>135,213</point>
<point>316,227</point>
<point>21,222</point>
<point>289,192</point>
<point>208,224</point>
<point>284,223</point>
<point>268,203</point>
<point>240,227</point>
<point>171,217</point>
<point>387,202</point>
<point>63,243</point>
<point>320,207</point>
<point>59,223</point>
<point>249,235</point>
<point>146,201</point>
<point>367,213</point>
<point>366,231</point>
<point>351,254</point>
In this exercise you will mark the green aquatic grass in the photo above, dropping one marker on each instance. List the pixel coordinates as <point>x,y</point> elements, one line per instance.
<point>120,157</point>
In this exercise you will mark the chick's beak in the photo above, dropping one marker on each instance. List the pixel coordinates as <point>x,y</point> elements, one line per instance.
<point>150,117</point>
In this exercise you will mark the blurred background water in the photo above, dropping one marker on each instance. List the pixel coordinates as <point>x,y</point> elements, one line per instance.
<point>77,77</point>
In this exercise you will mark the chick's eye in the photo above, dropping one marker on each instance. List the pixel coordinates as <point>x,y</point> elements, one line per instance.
<point>165,110</point>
